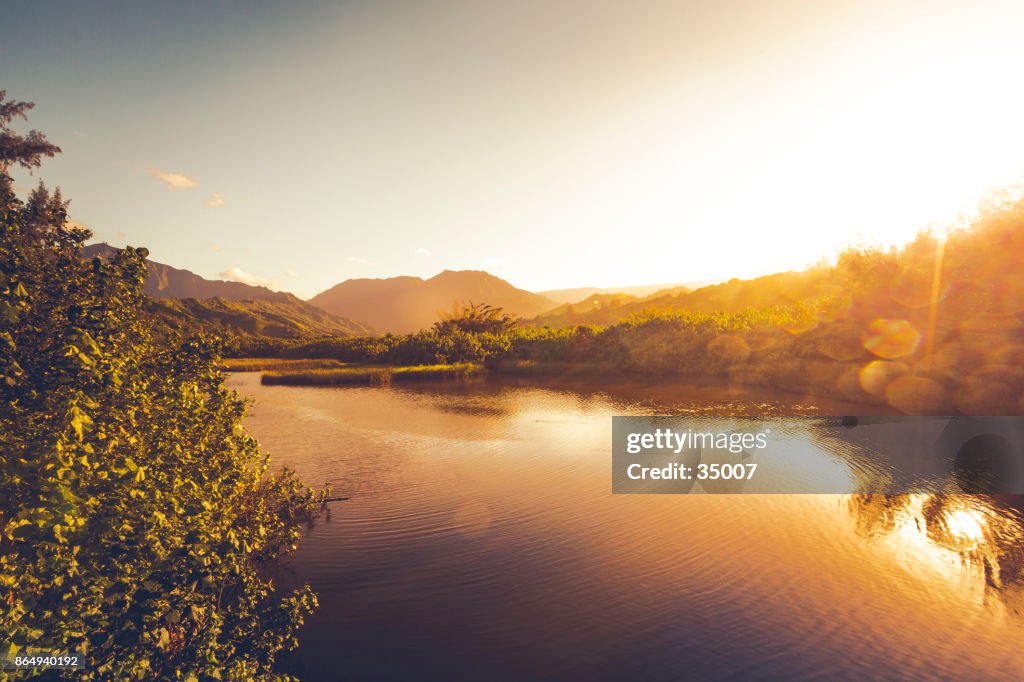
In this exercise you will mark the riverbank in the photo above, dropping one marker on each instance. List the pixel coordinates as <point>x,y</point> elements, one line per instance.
<point>278,364</point>
<point>370,375</point>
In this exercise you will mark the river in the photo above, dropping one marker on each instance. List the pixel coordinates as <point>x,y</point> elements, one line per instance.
<point>481,541</point>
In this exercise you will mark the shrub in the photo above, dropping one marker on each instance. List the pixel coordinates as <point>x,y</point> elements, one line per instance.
<point>134,510</point>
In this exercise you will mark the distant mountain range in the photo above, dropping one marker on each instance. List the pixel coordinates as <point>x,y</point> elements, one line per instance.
<point>358,307</point>
<point>165,281</point>
<point>408,304</point>
<point>579,294</point>
<point>734,296</point>
<point>291,318</point>
<point>183,299</point>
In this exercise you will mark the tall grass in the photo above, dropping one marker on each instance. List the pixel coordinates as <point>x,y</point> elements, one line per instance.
<point>371,375</point>
<point>265,364</point>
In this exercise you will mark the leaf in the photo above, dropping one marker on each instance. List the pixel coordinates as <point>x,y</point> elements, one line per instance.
<point>80,421</point>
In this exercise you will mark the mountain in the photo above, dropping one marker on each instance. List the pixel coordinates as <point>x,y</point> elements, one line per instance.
<point>603,309</point>
<point>289,318</point>
<point>734,296</point>
<point>408,304</point>
<point>579,294</point>
<point>167,282</point>
<point>184,300</point>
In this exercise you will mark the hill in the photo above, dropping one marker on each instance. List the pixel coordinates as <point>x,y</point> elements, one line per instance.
<point>165,281</point>
<point>408,304</point>
<point>183,300</point>
<point>288,318</point>
<point>579,294</point>
<point>734,296</point>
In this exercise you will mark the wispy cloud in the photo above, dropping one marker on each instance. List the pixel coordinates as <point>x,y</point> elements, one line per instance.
<point>237,274</point>
<point>360,261</point>
<point>215,200</point>
<point>173,181</point>
<point>291,273</point>
<point>422,251</point>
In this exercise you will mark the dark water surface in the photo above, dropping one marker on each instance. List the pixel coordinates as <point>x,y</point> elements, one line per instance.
<point>482,542</point>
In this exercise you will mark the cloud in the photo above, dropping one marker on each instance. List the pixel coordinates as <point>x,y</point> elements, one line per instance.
<point>215,200</point>
<point>360,261</point>
<point>215,247</point>
<point>237,274</point>
<point>291,273</point>
<point>422,251</point>
<point>173,181</point>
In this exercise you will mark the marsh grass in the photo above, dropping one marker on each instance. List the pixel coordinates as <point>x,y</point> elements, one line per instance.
<point>276,364</point>
<point>563,369</point>
<point>370,375</point>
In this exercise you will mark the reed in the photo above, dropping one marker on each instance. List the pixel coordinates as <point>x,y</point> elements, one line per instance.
<point>278,364</point>
<point>371,375</point>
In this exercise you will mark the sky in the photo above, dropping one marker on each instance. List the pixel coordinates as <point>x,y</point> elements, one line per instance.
<point>554,144</point>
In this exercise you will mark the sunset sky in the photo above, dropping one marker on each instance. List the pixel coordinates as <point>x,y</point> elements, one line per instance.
<point>555,144</point>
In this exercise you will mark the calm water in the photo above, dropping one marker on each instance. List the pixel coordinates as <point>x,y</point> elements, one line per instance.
<point>481,541</point>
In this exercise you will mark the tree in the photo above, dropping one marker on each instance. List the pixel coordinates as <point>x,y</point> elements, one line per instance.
<point>27,150</point>
<point>475,319</point>
<point>134,510</point>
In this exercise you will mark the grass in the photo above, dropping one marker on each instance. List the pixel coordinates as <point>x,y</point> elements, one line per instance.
<point>277,364</point>
<point>555,368</point>
<point>370,375</point>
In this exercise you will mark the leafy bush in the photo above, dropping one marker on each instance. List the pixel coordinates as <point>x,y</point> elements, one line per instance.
<point>134,510</point>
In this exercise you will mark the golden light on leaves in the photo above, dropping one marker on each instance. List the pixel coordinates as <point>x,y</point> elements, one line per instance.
<point>801,327</point>
<point>917,395</point>
<point>983,397</point>
<point>841,341</point>
<point>915,290</point>
<point>891,338</point>
<point>878,374</point>
<point>728,349</point>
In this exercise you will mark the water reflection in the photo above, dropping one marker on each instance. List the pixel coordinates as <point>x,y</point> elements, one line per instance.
<point>970,537</point>
<point>481,541</point>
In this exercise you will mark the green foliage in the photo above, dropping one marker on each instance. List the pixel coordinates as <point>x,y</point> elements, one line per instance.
<point>290,318</point>
<point>370,375</point>
<point>273,364</point>
<point>479,318</point>
<point>960,292</point>
<point>26,150</point>
<point>656,341</point>
<point>135,512</point>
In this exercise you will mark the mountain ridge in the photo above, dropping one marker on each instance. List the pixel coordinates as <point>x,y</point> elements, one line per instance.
<point>733,296</point>
<point>166,281</point>
<point>183,299</point>
<point>406,304</point>
<point>580,294</point>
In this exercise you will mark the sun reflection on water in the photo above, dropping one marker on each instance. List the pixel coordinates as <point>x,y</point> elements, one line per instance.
<point>974,544</point>
<point>967,526</point>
